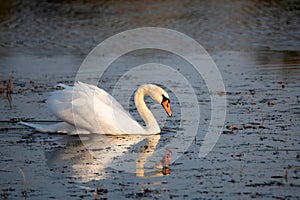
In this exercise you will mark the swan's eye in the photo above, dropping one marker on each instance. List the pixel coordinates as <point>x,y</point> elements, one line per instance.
<point>165,102</point>
<point>166,105</point>
<point>165,99</point>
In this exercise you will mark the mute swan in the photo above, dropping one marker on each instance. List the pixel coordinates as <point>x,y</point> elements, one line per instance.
<point>86,108</point>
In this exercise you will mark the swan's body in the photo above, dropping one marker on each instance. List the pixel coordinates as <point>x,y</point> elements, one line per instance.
<point>86,108</point>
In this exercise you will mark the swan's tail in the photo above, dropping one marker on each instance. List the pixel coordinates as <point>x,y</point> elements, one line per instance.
<point>60,127</point>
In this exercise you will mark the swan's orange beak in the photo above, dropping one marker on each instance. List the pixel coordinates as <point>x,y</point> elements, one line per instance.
<point>166,105</point>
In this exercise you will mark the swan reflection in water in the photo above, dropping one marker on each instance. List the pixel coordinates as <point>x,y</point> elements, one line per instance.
<point>93,113</point>
<point>89,156</point>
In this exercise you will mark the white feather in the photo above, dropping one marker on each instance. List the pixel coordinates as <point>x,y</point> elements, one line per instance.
<point>85,108</point>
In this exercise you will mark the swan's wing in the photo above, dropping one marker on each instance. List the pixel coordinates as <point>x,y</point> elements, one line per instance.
<point>60,127</point>
<point>101,95</point>
<point>89,107</point>
<point>111,117</point>
<point>115,121</point>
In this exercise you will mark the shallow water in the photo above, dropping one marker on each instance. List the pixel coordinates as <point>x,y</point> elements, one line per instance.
<point>255,45</point>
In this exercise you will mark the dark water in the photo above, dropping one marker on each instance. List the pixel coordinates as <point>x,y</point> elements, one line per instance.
<point>256,47</point>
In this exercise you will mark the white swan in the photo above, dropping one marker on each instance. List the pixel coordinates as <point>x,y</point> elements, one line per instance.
<point>86,108</point>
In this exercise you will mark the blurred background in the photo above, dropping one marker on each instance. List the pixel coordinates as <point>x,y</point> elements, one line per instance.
<point>75,27</point>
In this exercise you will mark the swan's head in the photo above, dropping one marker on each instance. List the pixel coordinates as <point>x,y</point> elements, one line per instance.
<point>160,96</point>
<point>166,104</point>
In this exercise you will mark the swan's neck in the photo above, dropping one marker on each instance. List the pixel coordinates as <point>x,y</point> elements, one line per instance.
<point>151,123</point>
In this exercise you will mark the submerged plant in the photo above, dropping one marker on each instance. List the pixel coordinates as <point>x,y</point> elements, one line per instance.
<point>24,192</point>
